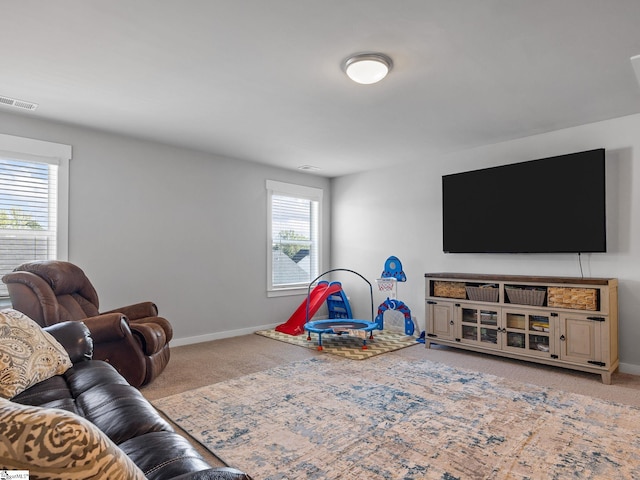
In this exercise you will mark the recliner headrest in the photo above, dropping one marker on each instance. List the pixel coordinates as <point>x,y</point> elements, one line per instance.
<point>63,277</point>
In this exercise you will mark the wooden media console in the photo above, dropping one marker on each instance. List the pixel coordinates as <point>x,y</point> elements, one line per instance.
<point>562,321</point>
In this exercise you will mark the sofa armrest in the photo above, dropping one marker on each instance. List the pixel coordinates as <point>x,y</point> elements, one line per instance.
<point>137,310</point>
<point>150,336</point>
<point>154,322</point>
<point>76,339</point>
<point>108,327</point>
<point>220,473</point>
<point>115,343</point>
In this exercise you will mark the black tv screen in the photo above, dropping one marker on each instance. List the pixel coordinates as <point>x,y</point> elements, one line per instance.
<point>551,205</point>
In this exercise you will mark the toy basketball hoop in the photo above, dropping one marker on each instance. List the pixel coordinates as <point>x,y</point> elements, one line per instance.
<point>387,285</point>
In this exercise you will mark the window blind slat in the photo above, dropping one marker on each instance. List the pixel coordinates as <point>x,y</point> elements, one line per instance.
<point>28,219</point>
<point>294,245</point>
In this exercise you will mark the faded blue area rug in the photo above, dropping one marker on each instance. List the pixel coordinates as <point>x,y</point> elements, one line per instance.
<point>329,418</point>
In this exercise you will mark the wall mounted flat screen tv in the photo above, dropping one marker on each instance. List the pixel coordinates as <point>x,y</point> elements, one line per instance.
<point>551,205</point>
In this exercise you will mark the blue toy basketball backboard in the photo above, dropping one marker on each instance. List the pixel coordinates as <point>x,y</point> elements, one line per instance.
<point>393,269</point>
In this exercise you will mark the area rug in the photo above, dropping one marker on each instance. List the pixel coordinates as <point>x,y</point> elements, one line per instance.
<point>388,418</point>
<point>346,346</point>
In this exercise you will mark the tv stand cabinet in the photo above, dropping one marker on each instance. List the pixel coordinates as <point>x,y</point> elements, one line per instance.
<point>567,322</point>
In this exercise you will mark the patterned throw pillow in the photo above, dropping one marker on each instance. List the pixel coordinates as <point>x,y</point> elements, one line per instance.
<point>28,354</point>
<point>56,444</point>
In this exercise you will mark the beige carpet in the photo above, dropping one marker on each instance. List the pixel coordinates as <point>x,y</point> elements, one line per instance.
<point>329,418</point>
<point>345,345</point>
<point>202,364</point>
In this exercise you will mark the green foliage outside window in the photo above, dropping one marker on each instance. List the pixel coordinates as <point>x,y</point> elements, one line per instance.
<point>15,219</point>
<point>289,245</point>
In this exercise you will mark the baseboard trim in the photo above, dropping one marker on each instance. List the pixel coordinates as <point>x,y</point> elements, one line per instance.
<point>629,368</point>
<point>177,342</point>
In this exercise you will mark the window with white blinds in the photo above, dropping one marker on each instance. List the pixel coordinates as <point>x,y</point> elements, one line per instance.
<point>294,235</point>
<point>30,204</point>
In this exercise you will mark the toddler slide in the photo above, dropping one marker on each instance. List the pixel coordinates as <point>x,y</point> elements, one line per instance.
<point>295,324</point>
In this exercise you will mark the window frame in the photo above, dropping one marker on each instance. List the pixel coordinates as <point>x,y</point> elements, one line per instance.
<point>40,151</point>
<point>298,191</point>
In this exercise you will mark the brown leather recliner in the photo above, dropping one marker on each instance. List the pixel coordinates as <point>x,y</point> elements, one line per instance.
<point>133,338</point>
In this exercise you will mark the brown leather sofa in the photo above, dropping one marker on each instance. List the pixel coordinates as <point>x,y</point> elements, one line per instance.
<point>134,339</point>
<point>94,390</point>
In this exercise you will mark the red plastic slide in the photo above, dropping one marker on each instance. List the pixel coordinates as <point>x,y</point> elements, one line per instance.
<point>295,324</point>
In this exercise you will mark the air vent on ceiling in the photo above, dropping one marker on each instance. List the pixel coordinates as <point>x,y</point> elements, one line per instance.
<point>12,102</point>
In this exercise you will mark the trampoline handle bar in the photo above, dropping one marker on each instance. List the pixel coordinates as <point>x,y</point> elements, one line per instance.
<point>338,270</point>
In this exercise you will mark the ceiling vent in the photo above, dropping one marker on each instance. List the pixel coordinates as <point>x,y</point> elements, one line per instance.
<point>309,168</point>
<point>12,102</point>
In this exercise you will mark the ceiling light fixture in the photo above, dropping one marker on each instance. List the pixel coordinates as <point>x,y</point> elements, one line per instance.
<point>367,68</point>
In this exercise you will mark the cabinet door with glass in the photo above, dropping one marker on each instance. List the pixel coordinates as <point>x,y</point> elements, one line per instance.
<point>479,325</point>
<point>528,332</point>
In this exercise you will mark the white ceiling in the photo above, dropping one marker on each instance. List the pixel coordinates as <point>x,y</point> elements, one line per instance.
<point>260,80</point>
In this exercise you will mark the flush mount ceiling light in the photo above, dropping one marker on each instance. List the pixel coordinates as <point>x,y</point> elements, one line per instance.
<point>367,68</point>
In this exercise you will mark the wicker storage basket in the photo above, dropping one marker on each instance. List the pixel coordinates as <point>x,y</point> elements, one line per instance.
<point>577,298</point>
<point>449,289</point>
<point>482,294</point>
<point>523,296</point>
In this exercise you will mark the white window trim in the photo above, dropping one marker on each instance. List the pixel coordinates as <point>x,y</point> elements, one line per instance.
<point>29,149</point>
<point>301,191</point>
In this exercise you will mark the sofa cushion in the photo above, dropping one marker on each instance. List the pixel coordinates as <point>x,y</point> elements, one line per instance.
<point>121,412</point>
<point>28,354</point>
<point>163,455</point>
<point>52,393</point>
<point>57,444</point>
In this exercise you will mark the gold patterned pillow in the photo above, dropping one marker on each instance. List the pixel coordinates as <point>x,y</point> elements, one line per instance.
<point>56,444</point>
<point>28,354</point>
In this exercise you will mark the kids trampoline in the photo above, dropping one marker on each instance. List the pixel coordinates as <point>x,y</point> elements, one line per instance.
<point>341,326</point>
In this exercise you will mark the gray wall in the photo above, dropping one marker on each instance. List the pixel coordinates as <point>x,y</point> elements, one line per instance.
<point>187,229</point>
<point>397,211</point>
<point>178,227</point>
